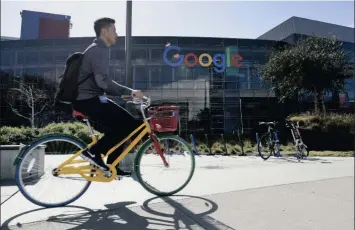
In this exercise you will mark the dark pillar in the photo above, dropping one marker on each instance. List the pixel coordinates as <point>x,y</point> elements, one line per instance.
<point>128,41</point>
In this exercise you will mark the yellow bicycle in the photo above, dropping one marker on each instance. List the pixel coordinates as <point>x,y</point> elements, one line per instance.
<point>51,173</point>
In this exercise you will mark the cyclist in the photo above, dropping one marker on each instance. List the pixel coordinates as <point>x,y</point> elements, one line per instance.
<point>116,122</point>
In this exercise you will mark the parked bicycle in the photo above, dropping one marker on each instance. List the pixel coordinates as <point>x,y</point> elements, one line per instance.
<point>268,143</point>
<point>70,176</point>
<point>301,148</point>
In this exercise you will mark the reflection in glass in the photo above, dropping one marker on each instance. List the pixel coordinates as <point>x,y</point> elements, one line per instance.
<point>140,79</point>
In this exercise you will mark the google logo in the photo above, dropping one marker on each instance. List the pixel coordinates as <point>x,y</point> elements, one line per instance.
<point>218,60</point>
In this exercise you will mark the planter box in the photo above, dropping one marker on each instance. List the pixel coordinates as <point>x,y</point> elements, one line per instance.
<point>8,154</point>
<point>332,140</point>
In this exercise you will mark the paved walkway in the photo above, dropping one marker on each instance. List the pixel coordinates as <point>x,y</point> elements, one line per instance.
<point>225,193</point>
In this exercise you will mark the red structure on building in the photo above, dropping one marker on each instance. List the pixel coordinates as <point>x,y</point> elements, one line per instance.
<point>51,28</point>
<point>40,25</point>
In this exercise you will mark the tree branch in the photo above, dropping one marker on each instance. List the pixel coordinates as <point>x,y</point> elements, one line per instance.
<point>15,111</point>
<point>44,106</point>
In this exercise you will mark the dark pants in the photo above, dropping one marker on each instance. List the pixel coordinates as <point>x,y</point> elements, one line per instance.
<point>114,121</point>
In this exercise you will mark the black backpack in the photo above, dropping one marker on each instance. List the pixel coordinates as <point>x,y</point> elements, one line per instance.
<point>68,85</point>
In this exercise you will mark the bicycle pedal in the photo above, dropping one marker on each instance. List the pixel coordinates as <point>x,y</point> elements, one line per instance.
<point>119,178</point>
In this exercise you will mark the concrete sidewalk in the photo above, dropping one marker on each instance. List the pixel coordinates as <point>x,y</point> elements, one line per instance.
<point>324,204</point>
<point>228,193</point>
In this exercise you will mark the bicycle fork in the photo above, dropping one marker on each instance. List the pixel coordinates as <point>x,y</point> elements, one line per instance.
<point>277,145</point>
<point>158,148</point>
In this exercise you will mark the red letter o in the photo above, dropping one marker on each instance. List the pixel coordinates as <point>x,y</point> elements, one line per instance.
<point>187,61</point>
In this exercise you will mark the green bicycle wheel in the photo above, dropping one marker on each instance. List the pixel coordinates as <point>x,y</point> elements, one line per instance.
<point>170,180</point>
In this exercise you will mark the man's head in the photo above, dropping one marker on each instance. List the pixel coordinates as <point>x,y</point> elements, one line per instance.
<point>106,30</point>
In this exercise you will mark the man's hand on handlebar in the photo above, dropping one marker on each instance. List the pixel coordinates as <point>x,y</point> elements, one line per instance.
<point>137,94</point>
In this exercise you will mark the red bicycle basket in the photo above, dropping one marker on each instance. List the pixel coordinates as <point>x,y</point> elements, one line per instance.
<point>164,118</point>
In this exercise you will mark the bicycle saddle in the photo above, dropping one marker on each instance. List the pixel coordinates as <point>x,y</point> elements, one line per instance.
<point>79,115</point>
<point>267,123</point>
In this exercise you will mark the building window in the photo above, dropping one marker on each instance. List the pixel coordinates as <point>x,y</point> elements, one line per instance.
<point>155,76</point>
<point>139,40</point>
<point>245,44</point>
<point>60,56</point>
<point>202,73</point>
<point>180,73</point>
<point>139,54</point>
<point>117,54</point>
<point>166,74</point>
<point>46,57</point>
<point>259,57</point>
<point>6,58</point>
<point>32,57</point>
<point>154,41</point>
<point>185,41</point>
<point>141,77</point>
<point>157,54</point>
<point>118,74</point>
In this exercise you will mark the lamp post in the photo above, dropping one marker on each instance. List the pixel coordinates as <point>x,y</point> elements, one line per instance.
<point>128,43</point>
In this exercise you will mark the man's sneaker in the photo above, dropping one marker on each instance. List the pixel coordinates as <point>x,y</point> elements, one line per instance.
<point>120,172</point>
<point>96,161</point>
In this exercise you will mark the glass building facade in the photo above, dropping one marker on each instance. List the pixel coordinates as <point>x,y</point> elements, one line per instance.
<point>211,101</point>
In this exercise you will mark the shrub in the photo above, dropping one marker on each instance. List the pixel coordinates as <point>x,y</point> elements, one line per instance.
<point>16,135</point>
<point>76,129</point>
<point>218,148</point>
<point>331,132</point>
<point>202,148</point>
<point>328,123</point>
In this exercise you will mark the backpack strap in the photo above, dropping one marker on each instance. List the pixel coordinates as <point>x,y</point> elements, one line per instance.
<point>82,81</point>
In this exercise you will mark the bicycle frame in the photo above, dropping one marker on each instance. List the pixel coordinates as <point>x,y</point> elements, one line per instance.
<point>296,135</point>
<point>274,139</point>
<point>99,175</point>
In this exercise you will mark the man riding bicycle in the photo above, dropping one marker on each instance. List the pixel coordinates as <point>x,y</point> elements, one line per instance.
<point>114,121</point>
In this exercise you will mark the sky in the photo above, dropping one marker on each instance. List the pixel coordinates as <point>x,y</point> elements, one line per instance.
<point>230,19</point>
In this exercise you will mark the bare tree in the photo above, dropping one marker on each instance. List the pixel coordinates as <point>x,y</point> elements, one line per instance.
<point>34,98</point>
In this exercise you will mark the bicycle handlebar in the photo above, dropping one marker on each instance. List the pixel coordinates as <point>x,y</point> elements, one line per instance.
<point>144,102</point>
<point>267,123</point>
<point>295,124</point>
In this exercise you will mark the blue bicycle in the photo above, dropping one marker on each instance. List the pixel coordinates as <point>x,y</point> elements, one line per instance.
<point>268,143</point>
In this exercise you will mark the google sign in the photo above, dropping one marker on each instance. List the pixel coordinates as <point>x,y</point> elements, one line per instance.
<point>191,60</point>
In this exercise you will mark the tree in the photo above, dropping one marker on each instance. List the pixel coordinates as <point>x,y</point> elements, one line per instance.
<point>314,65</point>
<point>34,98</point>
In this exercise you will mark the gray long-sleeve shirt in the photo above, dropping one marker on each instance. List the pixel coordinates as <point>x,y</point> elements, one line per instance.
<point>96,61</point>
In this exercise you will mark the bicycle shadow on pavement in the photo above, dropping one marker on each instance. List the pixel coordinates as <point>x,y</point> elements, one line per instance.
<point>193,218</point>
<point>292,159</point>
<point>165,214</point>
<point>6,224</point>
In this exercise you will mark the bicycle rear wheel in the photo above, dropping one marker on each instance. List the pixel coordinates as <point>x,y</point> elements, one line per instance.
<point>266,146</point>
<point>154,176</point>
<point>35,175</point>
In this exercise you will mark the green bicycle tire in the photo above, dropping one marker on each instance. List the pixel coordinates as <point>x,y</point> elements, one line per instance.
<point>142,150</point>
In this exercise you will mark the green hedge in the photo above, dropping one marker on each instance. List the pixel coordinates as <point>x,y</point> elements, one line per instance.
<point>17,135</point>
<point>328,123</point>
<point>331,132</point>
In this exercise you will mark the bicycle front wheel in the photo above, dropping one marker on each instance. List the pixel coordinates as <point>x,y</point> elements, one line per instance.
<point>154,176</point>
<point>35,175</point>
<point>265,146</point>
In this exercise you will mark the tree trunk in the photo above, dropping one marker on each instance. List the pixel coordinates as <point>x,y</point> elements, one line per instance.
<point>32,114</point>
<point>323,104</point>
<point>316,104</point>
